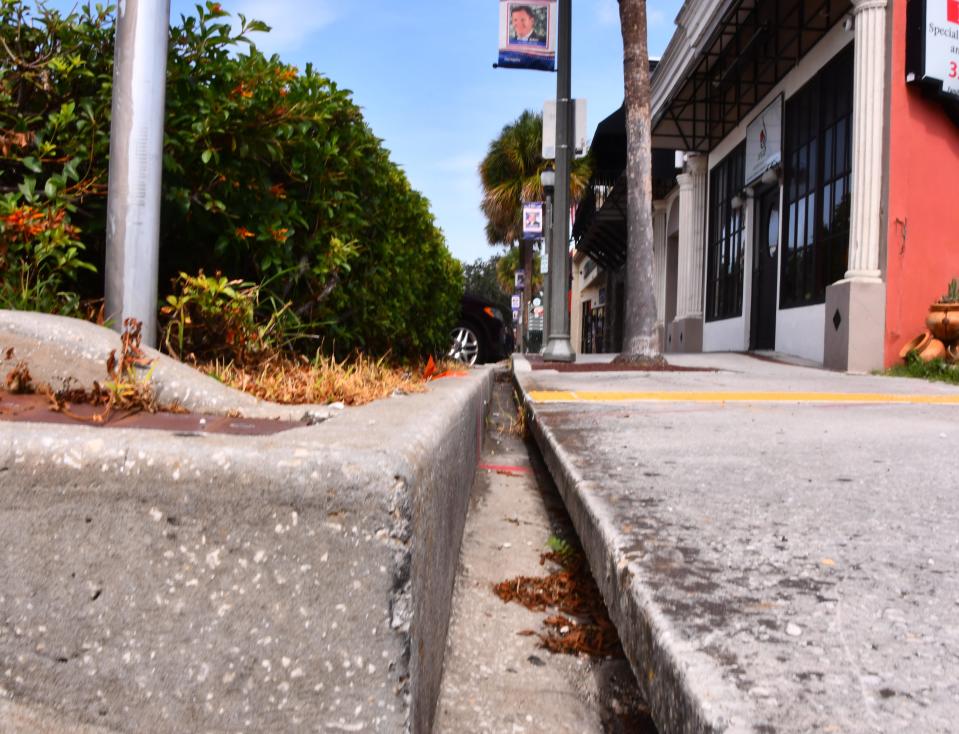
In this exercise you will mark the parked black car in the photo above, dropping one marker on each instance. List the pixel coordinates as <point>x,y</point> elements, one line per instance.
<point>482,333</point>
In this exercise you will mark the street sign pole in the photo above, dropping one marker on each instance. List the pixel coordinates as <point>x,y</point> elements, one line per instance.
<point>136,164</point>
<point>559,348</point>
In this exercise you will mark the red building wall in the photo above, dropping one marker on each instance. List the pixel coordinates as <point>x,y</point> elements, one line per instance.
<point>923,236</point>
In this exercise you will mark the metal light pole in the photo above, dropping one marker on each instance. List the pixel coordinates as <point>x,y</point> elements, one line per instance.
<point>559,348</point>
<point>136,163</point>
<point>548,179</point>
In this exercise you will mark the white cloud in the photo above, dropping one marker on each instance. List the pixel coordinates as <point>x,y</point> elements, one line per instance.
<point>292,21</point>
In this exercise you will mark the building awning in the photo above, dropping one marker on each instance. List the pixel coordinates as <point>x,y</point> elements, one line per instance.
<point>754,45</point>
<point>600,228</point>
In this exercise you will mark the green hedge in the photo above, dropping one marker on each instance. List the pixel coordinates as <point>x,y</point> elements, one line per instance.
<point>271,175</point>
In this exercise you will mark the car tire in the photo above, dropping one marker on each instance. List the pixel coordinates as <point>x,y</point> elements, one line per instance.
<point>466,345</point>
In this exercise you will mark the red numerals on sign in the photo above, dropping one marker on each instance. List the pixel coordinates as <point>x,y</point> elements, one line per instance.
<point>953,70</point>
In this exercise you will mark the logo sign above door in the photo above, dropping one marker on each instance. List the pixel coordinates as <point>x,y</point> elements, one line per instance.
<point>764,141</point>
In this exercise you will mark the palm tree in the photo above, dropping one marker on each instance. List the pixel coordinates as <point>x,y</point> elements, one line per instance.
<point>510,175</point>
<point>640,339</point>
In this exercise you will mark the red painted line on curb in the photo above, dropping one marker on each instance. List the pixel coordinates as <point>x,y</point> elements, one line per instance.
<point>509,469</point>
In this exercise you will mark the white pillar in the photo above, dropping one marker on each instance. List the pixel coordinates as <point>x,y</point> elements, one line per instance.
<point>692,209</point>
<point>854,331</point>
<point>659,254</point>
<point>867,139</point>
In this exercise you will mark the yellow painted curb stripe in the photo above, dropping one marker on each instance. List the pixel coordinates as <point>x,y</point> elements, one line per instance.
<point>589,396</point>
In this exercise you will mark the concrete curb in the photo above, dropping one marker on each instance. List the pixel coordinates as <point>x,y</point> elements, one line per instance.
<point>56,348</point>
<point>665,668</point>
<point>160,582</point>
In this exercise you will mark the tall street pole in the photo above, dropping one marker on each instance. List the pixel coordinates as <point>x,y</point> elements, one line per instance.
<point>136,163</point>
<point>559,349</point>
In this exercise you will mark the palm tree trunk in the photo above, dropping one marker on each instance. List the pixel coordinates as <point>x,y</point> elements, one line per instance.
<point>640,338</point>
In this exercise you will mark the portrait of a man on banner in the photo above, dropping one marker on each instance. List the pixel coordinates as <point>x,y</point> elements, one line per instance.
<point>526,35</point>
<point>533,220</point>
<point>528,24</point>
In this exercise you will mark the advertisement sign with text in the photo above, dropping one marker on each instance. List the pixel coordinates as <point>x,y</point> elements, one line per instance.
<point>933,48</point>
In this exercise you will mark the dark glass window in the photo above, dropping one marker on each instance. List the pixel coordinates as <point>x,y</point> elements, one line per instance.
<point>724,275</point>
<point>818,163</point>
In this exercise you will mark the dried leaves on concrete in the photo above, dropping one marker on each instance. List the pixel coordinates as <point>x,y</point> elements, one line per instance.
<point>125,391</point>
<point>297,380</point>
<point>579,622</point>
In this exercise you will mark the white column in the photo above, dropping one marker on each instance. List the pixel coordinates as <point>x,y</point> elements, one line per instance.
<point>867,139</point>
<point>659,255</point>
<point>692,209</point>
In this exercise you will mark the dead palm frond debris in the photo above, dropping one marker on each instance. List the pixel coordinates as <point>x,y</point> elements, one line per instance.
<point>578,622</point>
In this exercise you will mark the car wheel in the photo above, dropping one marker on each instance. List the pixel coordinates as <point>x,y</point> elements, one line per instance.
<point>464,345</point>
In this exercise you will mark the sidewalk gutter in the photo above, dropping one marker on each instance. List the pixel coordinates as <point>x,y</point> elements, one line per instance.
<point>299,581</point>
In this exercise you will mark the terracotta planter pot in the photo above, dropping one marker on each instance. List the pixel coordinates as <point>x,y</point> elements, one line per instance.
<point>943,321</point>
<point>918,343</point>
<point>926,346</point>
<point>935,349</point>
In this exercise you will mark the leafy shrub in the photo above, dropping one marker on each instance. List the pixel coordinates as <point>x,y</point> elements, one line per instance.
<point>271,175</point>
<point>212,318</point>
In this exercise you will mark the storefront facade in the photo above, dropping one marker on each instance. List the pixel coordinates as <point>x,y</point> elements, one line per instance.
<point>813,205</point>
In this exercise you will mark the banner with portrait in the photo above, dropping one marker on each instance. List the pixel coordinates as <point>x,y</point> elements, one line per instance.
<point>527,34</point>
<point>532,220</point>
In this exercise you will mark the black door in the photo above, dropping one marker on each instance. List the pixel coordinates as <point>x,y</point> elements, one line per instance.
<point>765,270</point>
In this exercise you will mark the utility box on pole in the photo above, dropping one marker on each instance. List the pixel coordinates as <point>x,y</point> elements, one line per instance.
<point>136,163</point>
<point>580,133</point>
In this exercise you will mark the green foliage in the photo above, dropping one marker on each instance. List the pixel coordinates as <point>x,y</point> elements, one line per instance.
<point>952,295</point>
<point>480,279</point>
<point>510,175</point>
<point>560,547</point>
<point>213,318</point>
<point>270,175</point>
<point>509,263</point>
<point>937,370</point>
<point>39,256</point>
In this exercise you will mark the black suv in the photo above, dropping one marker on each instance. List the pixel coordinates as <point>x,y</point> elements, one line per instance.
<point>482,333</point>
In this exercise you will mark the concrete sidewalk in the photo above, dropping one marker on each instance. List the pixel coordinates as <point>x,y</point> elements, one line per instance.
<point>777,555</point>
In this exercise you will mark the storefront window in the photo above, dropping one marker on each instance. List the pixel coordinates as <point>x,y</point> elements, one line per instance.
<point>817,173</point>
<point>724,291</point>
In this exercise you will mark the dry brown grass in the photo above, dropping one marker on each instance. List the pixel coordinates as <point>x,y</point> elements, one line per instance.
<point>292,380</point>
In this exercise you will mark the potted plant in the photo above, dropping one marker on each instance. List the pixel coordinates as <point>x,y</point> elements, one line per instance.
<point>943,318</point>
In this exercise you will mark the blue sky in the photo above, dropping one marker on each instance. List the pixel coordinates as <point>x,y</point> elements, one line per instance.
<point>422,72</point>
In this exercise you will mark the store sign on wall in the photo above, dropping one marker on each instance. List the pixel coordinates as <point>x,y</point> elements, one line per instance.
<point>933,45</point>
<point>764,141</point>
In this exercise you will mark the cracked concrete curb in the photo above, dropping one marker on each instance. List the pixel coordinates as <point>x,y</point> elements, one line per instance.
<point>665,668</point>
<point>156,582</point>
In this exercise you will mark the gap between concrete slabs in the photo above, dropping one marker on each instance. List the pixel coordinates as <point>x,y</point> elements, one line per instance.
<point>153,582</point>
